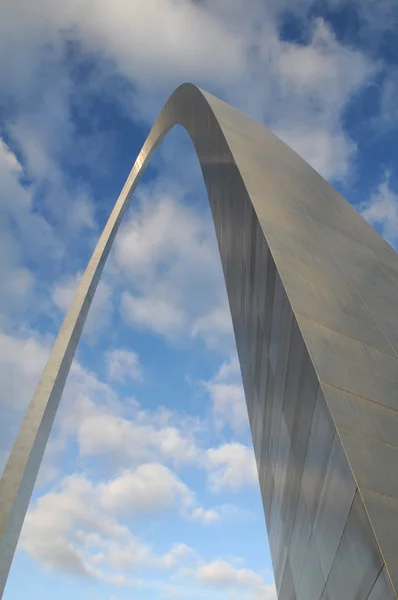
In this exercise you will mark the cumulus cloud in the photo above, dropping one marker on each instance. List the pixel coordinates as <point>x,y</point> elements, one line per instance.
<point>156,314</point>
<point>90,412</point>
<point>92,415</point>
<point>229,403</point>
<point>234,48</point>
<point>221,573</point>
<point>322,76</point>
<point>231,467</point>
<point>102,431</point>
<point>80,527</point>
<point>149,488</point>
<point>216,324</point>
<point>126,32</point>
<point>68,529</point>
<point>168,253</point>
<point>318,67</point>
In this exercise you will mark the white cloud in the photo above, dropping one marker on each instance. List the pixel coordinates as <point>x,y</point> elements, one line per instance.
<point>20,283</point>
<point>322,77</point>
<point>68,529</point>
<point>126,32</point>
<point>206,517</point>
<point>151,487</point>
<point>81,213</point>
<point>221,573</point>
<point>217,514</point>
<point>213,325</point>
<point>319,67</point>
<point>96,419</point>
<point>8,160</point>
<point>229,404</point>
<point>231,467</point>
<point>102,431</point>
<point>234,49</point>
<point>156,314</point>
<point>167,252</point>
<point>230,369</point>
<point>381,210</point>
<point>330,152</point>
<point>123,365</point>
<point>78,528</point>
<point>92,414</point>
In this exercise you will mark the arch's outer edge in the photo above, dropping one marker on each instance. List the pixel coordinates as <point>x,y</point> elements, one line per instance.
<point>312,290</point>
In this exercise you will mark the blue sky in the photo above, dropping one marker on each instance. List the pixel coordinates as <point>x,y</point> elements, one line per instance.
<point>149,487</point>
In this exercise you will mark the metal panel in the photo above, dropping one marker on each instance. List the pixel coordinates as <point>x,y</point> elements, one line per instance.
<point>336,306</point>
<point>287,591</point>
<point>363,417</point>
<point>383,513</point>
<point>301,533</point>
<point>358,562</point>
<point>382,589</point>
<point>335,501</point>
<point>350,365</point>
<point>299,436</point>
<point>366,456</point>
<point>318,453</point>
<point>312,581</point>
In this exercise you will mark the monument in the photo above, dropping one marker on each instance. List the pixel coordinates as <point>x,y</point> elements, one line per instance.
<point>313,292</point>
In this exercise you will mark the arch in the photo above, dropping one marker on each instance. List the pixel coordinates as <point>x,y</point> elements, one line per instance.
<point>312,290</point>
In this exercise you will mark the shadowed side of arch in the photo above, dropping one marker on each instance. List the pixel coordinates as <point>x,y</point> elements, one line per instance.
<point>317,347</point>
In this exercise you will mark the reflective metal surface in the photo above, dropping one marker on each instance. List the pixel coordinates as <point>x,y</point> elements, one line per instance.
<point>382,588</point>
<point>313,291</point>
<point>358,562</point>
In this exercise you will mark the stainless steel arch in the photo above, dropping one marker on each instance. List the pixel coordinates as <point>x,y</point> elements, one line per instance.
<point>312,290</point>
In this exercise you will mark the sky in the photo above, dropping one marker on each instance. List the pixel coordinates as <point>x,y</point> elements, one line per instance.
<point>148,487</point>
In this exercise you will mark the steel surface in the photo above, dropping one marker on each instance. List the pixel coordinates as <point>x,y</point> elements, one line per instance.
<point>313,292</point>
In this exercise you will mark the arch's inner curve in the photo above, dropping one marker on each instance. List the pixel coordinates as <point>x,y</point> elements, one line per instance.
<point>312,289</point>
